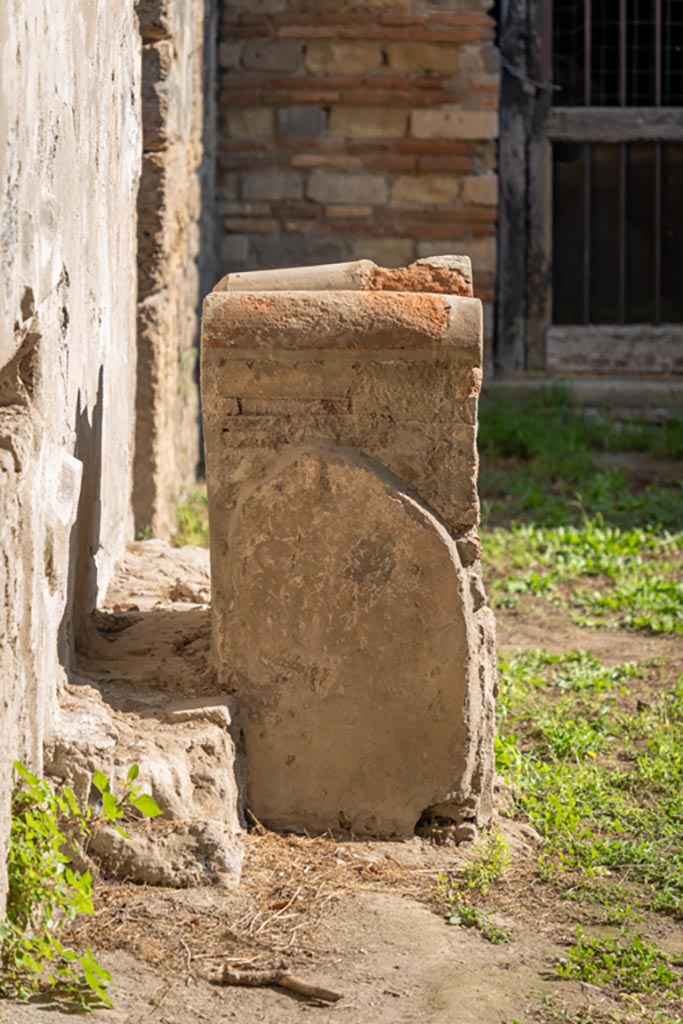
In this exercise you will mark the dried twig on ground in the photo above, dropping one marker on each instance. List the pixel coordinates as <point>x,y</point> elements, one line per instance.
<point>280,978</point>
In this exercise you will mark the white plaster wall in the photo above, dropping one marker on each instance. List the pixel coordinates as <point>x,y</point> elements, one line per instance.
<point>70,149</point>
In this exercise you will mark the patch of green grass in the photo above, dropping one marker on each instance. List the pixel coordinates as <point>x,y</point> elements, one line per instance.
<point>193,520</point>
<point>600,781</point>
<point>630,963</point>
<point>539,463</point>
<point>661,440</point>
<point>548,420</point>
<point>607,576</point>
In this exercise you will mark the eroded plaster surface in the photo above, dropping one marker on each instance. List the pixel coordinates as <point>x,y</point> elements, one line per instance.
<point>69,170</point>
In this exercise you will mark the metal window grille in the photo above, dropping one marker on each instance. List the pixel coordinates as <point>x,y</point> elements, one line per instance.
<point>617,233</point>
<point>618,207</point>
<point>618,53</point>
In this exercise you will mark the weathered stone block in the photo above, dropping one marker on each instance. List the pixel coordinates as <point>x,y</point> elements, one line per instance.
<point>331,187</point>
<point>340,427</point>
<point>482,189</point>
<point>438,275</point>
<point>416,57</point>
<point>249,122</point>
<point>350,721</point>
<point>187,763</point>
<point>424,190</point>
<point>272,55</point>
<point>454,124</point>
<point>301,122</point>
<point>368,122</point>
<point>272,183</point>
<point>343,58</point>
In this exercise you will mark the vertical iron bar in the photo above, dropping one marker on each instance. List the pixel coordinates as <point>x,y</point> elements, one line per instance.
<point>546,69</point>
<point>658,232</point>
<point>587,228</point>
<point>666,57</point>
<point>658,166</point>
<point>622,232</point>
<point>658,53</point>
<point>622,163</point>
<point>622,52</point>
<point>587,47</point>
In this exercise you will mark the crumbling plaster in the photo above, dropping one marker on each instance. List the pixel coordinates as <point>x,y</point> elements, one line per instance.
<point>69,170</point>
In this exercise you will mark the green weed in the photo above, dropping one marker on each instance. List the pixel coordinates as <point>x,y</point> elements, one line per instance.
<point>606,576</point>
<point>592,752</point>
<point>487,865</point>
<point>471,917</point>
<point>192,519</point>
<point>45,893</point>
<point>539,463</point>
<point>601,783</point>
<point>630,963</point>
<point>458,891</point>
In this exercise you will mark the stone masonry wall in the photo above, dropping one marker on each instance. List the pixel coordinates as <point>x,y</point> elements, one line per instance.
<point>69,169</point>
<point>352,130</point>
<point>177,67</point>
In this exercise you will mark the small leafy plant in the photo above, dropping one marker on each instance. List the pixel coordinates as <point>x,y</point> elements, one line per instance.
<point>488,865</point>
<point>630,963</point>
<point>192,520</point>
<point>458,893</point>
<point>114,807</point>
<point>471,917</point>
<point>45,892</point>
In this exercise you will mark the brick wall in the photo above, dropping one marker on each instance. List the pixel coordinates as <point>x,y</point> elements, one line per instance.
<point>350,130</point>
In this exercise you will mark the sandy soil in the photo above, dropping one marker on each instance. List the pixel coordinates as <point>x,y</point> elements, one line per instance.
<point>392,959</point>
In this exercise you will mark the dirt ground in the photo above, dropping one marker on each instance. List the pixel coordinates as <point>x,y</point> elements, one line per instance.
<point>363,919</point>
<point>380,945</point>
<point>392,959</point>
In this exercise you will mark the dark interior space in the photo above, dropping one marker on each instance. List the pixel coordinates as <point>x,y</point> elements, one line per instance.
<point>617,206</point>
<point>617,233</point>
